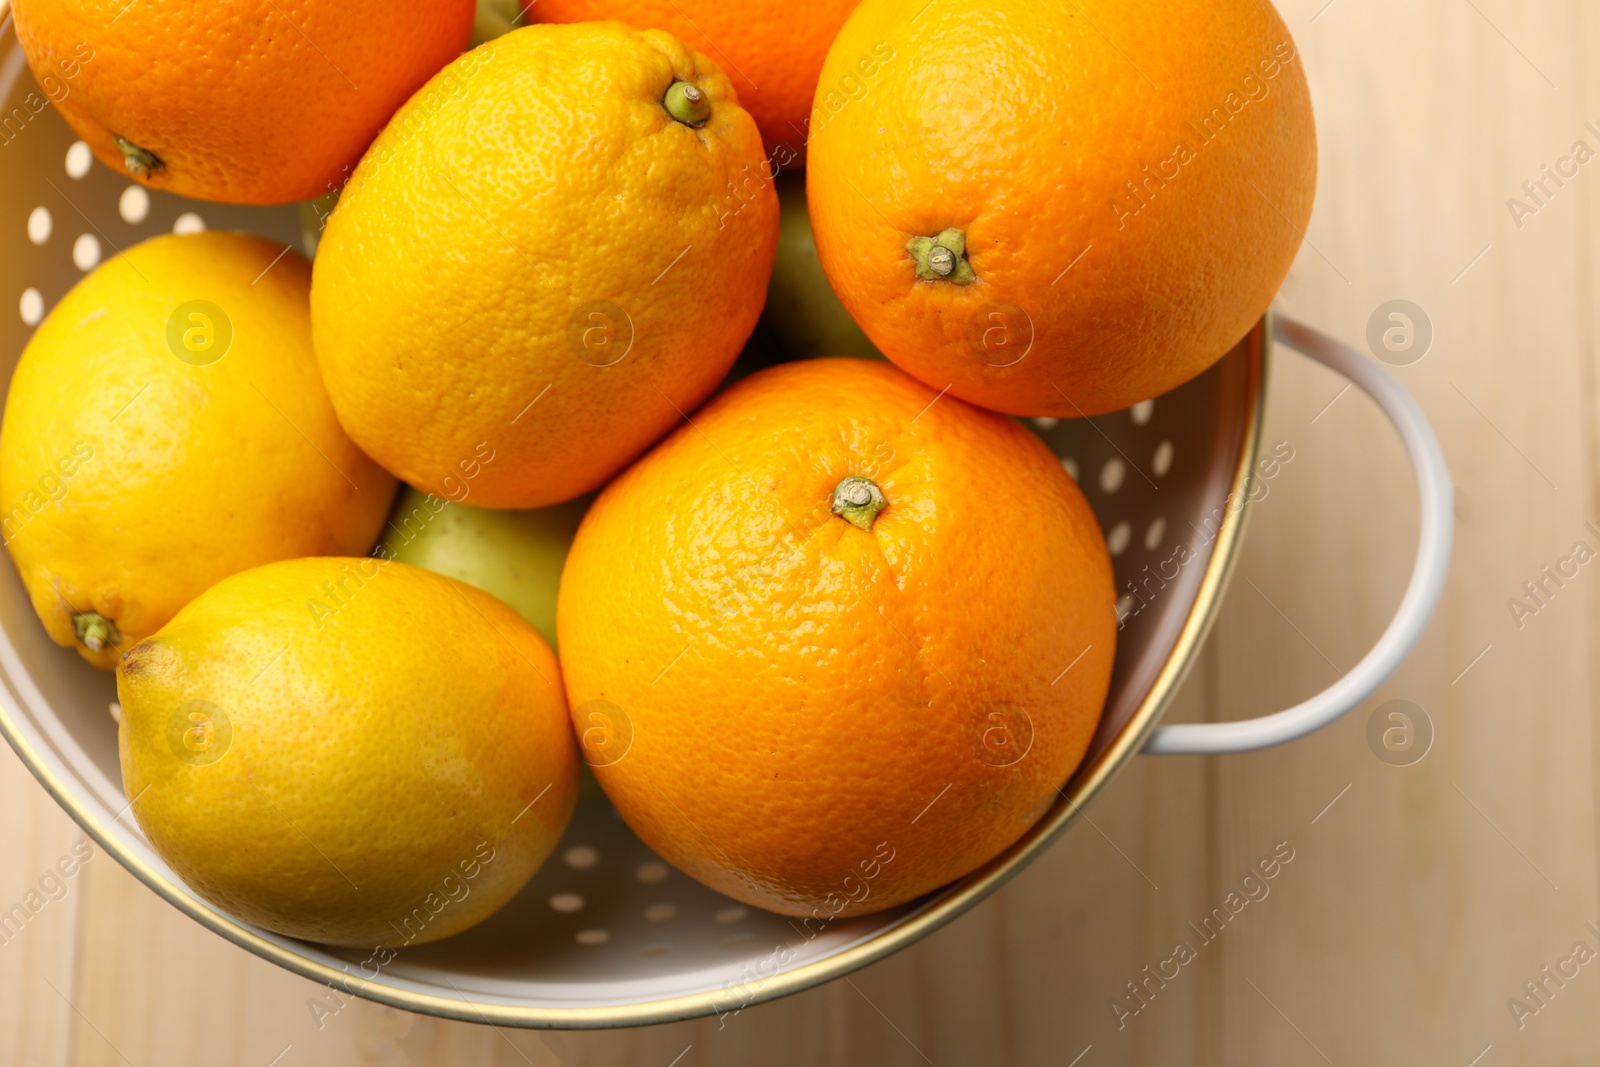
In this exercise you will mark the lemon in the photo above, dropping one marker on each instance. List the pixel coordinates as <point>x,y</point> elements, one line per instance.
<point>353,751</point>
<point>166,427</point>
<point>516,555</point>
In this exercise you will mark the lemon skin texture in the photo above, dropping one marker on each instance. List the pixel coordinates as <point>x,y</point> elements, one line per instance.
<point>166,427</point>
<point>348,750</point>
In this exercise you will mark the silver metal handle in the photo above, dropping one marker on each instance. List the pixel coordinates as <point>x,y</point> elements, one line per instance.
<point>1422,594</point>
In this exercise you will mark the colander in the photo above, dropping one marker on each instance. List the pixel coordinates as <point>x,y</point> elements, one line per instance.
<point>607,934</point>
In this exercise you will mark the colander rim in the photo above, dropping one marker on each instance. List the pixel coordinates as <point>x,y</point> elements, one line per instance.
<point>941,908</point>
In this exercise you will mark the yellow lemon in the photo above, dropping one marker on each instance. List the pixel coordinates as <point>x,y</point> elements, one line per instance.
<point>354,751</point>
<point>549,256</point>
<point>166,427</point>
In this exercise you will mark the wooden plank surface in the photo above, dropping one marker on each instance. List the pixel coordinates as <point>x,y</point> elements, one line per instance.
<point>1419,899</point>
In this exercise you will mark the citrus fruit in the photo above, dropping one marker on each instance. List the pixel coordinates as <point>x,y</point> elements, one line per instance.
<point>353,751</point>
<point>515,555</point>
<point>1062,210</point>
<point>545,273</point>
<point>240,102</point>
<point>771,50</point>
<point>165,428</point>
<point>840,641</point>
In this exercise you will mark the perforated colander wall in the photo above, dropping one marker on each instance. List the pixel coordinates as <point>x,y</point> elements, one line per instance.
<point>605,924</point>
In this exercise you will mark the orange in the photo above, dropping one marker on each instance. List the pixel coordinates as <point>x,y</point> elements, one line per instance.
<point>236,100</point>
<point>528,281</point>
<point>771,50</point>
<point>839,641</point>
<point>1061,209</point>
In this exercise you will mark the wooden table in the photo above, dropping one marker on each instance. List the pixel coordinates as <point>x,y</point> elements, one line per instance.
<point>1419,899</point>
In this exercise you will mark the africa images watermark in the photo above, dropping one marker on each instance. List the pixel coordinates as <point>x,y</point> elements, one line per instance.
<point>453,888</point>
<point>1253,888</point>
<point>445,87</point>
<point>52,887</point>
<point>854,85</point>
<point>738,993</point>
<point>51,487</point>
<point>853,888</point>
<point>56,82</point>
<point>1140,591</point>
<point>1543,987</point>
<point>1537,192</point>
<point>337,594</point>
<point>1399,733</point>
<point>1552,578</point>
<point>1142,191</point>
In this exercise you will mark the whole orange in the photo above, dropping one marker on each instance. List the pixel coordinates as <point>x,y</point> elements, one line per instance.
<point>771,50</point>
<point>538,269</point>
<point>236,100</point>
<point>1061,209</point>
<point>839,641</point>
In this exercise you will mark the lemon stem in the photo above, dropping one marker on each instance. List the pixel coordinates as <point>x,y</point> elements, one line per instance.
<point>942,258</point>
<point>857,501</point>
<point>687,103</point>
<point>141,162</point>
<point>95,630</point>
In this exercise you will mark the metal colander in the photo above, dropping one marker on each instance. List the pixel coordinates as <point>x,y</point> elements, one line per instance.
<point>607,934</point>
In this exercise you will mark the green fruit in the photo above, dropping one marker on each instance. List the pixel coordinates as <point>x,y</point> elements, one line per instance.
<point>802,314</point>
<point>514,555</point>
<point>494,18</point>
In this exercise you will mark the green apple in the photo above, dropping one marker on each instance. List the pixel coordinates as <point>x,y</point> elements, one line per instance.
<point>493,19</point>
<point>802,318</point>
<point>515,555</point>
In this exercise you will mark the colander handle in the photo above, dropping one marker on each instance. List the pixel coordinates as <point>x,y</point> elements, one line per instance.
<point>1422,594</point>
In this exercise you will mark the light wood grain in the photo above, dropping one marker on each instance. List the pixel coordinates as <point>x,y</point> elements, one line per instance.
<point>1415,906</point>
<point>36,961</point>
